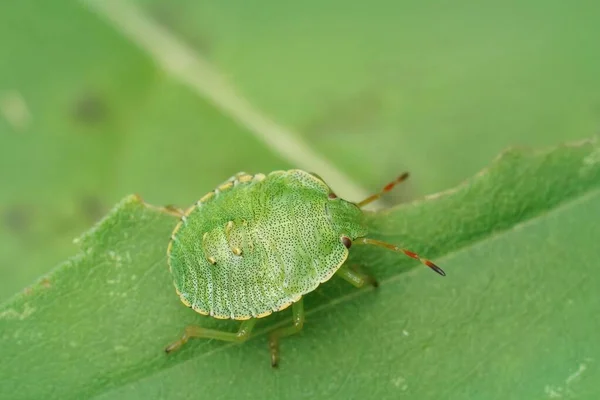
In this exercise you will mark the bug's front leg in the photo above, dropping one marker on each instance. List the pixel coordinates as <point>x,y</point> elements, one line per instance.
<point>168,209</point>
<point>298,322</point>
<point>356,278</point>
<point>198,332</point>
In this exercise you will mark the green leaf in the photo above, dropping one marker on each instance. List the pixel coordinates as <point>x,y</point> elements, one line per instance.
<point>513,318</point>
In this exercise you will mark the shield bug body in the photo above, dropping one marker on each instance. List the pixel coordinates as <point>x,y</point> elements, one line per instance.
<point>257,244</point>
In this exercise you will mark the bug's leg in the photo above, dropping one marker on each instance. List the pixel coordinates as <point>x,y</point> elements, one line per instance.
<point>356,278</point>
<point>385,189</point>
<point>298,322</point>
<point>171,210</point>
<point>168,209</point>
<point>198,332</point>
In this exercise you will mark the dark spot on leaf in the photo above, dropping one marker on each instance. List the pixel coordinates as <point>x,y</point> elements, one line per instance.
<point>92,208</point>
<point>17,218</point>
<point>165,13</point>
<point>177,18</point>
<point>90,108</point>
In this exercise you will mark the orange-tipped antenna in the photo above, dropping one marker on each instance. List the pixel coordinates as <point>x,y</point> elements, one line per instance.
<point>385,189</point>
<point>400,250</point>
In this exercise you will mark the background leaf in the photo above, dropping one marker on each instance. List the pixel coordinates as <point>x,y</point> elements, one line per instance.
<point>435,87</point>
<point>514,317</point>
<point>87,116</point>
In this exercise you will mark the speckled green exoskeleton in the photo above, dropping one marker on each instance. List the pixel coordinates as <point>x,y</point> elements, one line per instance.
<point>258,243</point>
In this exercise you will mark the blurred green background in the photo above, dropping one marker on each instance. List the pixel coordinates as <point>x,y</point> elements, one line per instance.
<point>439,88</point>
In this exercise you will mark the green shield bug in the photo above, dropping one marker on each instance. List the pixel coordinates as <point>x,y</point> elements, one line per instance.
<point>258,243</point>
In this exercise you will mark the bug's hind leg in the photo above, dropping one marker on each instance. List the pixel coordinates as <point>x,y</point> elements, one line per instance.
<point>356,278</point>
<point>298,322</point>
<point>198,332</point>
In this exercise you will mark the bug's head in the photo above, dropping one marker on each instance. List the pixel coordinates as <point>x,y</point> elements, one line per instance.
<point>351,226</point>
<point>346,217</point>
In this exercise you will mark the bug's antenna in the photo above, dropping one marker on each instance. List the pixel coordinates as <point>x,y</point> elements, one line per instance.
<point>401,250</point>
<point>385,189</point>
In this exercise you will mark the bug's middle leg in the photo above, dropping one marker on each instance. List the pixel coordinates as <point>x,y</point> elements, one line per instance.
<point>356,278</point>
<point>298,322</point>
<point>193,331</point>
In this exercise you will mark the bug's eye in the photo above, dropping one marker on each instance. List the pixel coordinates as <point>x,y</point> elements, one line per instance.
<point>346,241</point>
<point>332,195</point>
